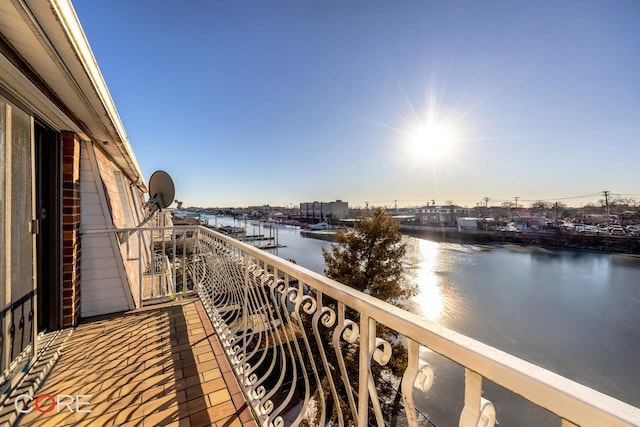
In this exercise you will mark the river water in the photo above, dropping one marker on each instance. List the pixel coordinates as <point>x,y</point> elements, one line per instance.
<point>576,313</point>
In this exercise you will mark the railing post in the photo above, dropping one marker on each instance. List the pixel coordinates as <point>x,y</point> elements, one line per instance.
<point>197,255</point>
<point>140,270</point>
<point>152,262</point>
<point>477,411</point>
<point>245,310</point>
<point>174,242</point>
<point>184,260</point>
<point>367,343</point>
<point>417,376</point>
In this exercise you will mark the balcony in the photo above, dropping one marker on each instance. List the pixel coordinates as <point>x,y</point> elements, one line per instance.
<point>157,366</point>
<point>292,340</point>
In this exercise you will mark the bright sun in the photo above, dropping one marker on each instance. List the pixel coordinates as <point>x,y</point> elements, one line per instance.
<point>431,142</point>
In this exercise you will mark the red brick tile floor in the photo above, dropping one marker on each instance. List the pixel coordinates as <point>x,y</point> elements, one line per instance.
<point>158,366</point>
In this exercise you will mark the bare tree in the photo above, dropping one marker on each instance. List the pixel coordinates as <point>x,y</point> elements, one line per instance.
<point>541,204</point>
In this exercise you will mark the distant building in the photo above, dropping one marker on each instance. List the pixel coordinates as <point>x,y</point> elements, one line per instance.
<point>314,212</point>
<point>528,220</point>
<point>444,215</point>
<point>468,224</point>
<point>465,224</point>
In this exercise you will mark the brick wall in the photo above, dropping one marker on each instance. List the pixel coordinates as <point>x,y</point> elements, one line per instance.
<point>70,229</point>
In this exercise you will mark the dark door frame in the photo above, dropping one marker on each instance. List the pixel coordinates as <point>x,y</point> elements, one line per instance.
<point>48,240</point>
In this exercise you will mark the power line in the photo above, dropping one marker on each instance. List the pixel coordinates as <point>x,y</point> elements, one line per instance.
<point>482,200</point>
<point>584,196</point>
<point>494,199</point>
<point>625,194</point>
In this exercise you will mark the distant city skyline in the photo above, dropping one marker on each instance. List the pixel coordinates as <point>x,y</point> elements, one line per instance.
<point>252,103</point>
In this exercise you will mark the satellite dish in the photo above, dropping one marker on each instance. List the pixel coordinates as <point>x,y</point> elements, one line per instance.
<point>161,191</point>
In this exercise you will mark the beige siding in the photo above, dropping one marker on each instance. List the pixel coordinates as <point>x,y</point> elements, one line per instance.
<point>105,287</point>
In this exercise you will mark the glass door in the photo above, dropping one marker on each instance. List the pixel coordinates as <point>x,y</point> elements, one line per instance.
<point>17,241</point>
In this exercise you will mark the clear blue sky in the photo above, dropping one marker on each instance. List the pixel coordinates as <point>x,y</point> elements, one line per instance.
<point>281,102</point>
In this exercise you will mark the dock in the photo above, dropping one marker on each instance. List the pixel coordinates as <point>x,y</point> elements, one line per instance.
<point>328,235</point>
<point>240,233</point>
<point>269,246</point>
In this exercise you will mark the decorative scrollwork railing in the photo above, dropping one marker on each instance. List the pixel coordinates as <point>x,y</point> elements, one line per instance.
<point>295,339</point>
<point>308,350</point>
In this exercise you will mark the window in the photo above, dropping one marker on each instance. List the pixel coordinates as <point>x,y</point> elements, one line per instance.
<point>125,200</point>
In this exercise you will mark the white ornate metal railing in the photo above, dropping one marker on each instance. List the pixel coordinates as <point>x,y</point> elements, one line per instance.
<point>156,260</point>
<point>295,341</point>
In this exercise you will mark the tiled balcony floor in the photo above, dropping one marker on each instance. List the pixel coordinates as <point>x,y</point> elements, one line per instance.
<point>158,366</point>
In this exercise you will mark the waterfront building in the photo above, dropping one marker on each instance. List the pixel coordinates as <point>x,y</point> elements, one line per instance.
<point>314,212</point>
<point>527,220</point>
<point>440,216</point>
<point>193,327</point>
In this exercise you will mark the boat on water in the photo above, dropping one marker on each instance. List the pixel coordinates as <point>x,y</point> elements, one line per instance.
<point>319,226</point>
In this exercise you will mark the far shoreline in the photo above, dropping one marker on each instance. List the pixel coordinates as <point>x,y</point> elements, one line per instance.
<point>556,240</point>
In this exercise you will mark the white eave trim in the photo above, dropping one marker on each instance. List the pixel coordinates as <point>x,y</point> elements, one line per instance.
<point>71,25</point>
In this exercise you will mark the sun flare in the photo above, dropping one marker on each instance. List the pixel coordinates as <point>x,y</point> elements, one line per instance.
<point>432,142</point>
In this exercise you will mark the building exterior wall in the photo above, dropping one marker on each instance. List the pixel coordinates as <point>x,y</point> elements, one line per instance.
<point>468,224</point>
<point>318,211</point>
<point>440,215</point>
<point>118,192</point>
<point>124,212</point>
<point>106,281</point>
<point>53,100</point>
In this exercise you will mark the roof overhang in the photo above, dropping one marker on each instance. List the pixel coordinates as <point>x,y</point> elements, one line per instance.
<point>46,64</point>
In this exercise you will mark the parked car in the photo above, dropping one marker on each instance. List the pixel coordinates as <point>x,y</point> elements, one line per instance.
<point>582,228</point>
<point>617,231</point>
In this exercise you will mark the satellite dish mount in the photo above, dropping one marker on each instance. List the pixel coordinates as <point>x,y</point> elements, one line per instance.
<point>161,194</point>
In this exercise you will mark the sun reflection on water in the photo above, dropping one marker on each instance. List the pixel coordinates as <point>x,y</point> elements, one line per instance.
<point>425,260</point>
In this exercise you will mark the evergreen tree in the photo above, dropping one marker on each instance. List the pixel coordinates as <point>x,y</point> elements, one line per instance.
<point>369,258</point>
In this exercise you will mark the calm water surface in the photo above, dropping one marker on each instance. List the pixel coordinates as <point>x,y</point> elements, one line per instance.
<point>576,313</point>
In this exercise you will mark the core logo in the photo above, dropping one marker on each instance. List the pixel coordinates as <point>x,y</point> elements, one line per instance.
<point>45,403</point>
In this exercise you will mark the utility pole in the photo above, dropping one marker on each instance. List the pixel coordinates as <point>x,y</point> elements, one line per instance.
<point>606,202</point>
